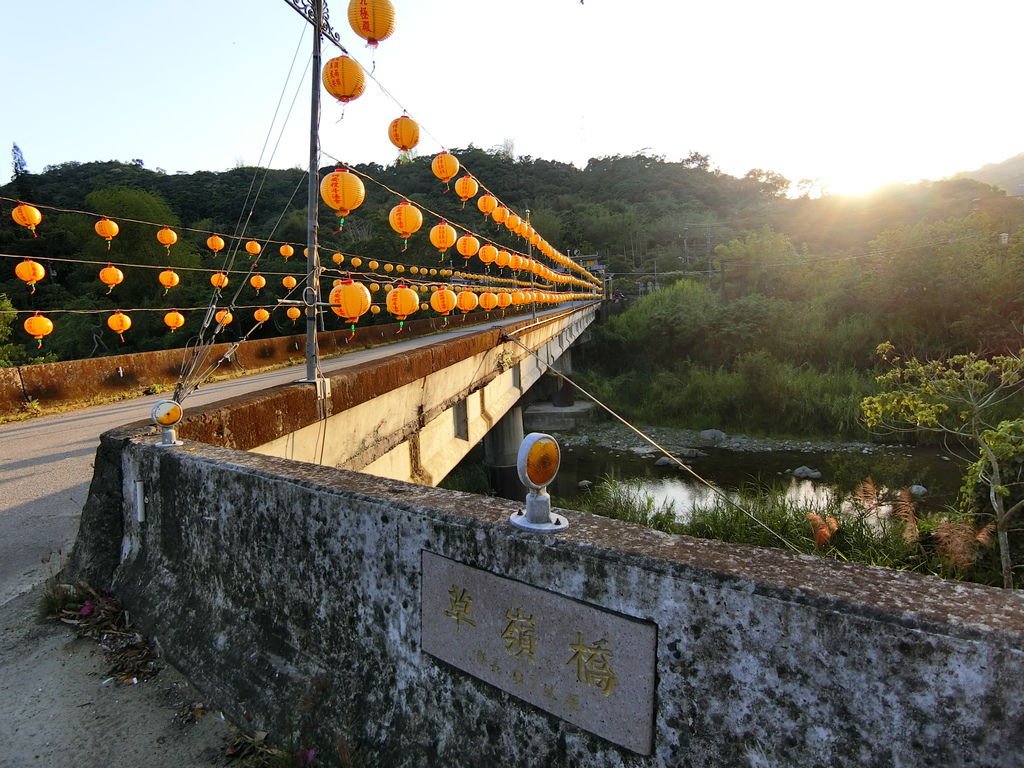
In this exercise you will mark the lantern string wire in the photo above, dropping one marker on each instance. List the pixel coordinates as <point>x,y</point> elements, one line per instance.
<point>129,265</point>
<point>189,380</point>
<point>468,230</point>
<point>125,219</point>
<point>267,240</point>
<point>338,271</point>
<point>682,465</point>
<point>270,130</point>
<point>371,74</point>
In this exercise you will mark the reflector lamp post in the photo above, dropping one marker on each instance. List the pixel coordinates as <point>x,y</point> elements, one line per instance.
<point>537,464</point>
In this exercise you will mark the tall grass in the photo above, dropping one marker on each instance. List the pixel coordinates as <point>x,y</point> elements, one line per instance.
<point>850,531</point>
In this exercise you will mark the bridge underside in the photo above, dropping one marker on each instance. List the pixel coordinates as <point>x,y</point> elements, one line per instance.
<point>411,417</point>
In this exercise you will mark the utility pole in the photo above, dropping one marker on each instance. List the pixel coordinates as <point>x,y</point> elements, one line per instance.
<point>311,293</point>
<point>316,13</point>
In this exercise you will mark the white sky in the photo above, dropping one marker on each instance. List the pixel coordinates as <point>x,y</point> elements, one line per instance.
<point>854,94</point>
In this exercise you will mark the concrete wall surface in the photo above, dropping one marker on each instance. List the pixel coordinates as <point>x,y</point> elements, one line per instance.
<point>291,595</point>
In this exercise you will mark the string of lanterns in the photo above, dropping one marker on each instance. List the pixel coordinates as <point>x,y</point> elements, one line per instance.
<point>345,80</point>
<point>401,304</point>
<point>344,192</point>
<point>406,219</point>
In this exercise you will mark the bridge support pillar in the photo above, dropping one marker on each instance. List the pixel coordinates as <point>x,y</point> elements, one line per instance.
<point>565,393</point>
<point>501,449</point>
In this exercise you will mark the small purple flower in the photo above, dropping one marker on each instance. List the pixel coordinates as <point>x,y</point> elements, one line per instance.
<point>86,609</point>
<point>305,757</point>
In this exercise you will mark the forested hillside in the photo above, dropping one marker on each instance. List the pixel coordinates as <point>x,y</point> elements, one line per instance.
<point>810,282</point>
<point>1008,174</point>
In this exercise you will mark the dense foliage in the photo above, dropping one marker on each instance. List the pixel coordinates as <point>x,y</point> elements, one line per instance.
<point>768,312</point>
<point>871,526</point>
<point>782,338</point>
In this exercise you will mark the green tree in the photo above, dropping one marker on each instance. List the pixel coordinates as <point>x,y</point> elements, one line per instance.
<point>963,398</point>
<point>763,262</point>
<point>7,318</point>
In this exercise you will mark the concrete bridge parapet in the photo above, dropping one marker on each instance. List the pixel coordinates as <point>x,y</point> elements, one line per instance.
<point>298,598</point>
<point>411,416</point>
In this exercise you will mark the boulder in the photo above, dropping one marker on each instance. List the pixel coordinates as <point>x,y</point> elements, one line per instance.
<point>918,490</point>
<point>584,485</point>
<point>713,435</point>
<point>806,473</point>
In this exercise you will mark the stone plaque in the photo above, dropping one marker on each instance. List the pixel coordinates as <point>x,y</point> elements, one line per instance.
<point>584,664</point>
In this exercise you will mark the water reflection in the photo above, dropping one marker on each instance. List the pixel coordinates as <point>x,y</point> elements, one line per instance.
<point>731,472</point>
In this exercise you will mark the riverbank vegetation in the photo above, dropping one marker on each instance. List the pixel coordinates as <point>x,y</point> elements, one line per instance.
<point>871,526</point>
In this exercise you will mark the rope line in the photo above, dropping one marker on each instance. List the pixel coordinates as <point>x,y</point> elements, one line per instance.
<point>686,467</point>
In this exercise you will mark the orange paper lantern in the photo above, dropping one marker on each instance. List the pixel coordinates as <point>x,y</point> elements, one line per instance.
<point>37,327</point>
<point>111,276</point>
<point>443,301</point>
<point>294,313</point>
<point>442,237</point>
<point>261,315</point>
<point>107,229</point>
<point>487,253</point>
<point>445,166</point>
<point>343,191</point>
<point>223,317</point>
<point>166,237</point>
<point>467,301</point>
<point>467,246</point>
<point>404,133</point>
<point>30,272</point>
<point>286,251</point>
<point>119,322</point>
<point>406,220</point>
<point>402,302</point>
<point>253,248</point>
<point>466,187</point>
<point>258,282</point>
<point>487,204</point>
<point>219,280</point>
<point>350,301</point>
<point>343,78</point>
<point>372,20</point>
<point>174,320</point>
<point>488,301</point>
<point>168,279</point>
<point>215,243</point>
<point>28,217</point>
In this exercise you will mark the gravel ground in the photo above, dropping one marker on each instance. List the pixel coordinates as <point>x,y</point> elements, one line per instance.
<point>56,711</point>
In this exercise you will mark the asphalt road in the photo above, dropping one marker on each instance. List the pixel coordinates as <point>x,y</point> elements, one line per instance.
<point>46,463</point>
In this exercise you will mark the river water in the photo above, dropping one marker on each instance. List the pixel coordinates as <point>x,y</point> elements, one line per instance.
<point>731,471</point>
<point>890,467</point>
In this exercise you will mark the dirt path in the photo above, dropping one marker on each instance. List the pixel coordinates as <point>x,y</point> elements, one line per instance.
<point>56,712</point>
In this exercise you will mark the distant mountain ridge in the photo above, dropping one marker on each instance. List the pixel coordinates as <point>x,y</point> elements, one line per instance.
<point>1009,174</point>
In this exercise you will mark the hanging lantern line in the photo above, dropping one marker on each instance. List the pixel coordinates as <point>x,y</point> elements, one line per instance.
<point>437,215</point>
<point>468,230</point>
<point>238,242</point>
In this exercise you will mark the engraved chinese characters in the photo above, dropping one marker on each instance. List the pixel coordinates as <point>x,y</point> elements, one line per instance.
<point>580,662</point>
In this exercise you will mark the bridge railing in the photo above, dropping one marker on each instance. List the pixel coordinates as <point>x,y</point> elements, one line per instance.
<point>82,381</point>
